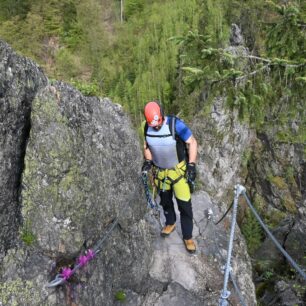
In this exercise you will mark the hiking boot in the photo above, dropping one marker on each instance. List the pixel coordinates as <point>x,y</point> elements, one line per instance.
<point>190,245</point>
<point>167,230</point>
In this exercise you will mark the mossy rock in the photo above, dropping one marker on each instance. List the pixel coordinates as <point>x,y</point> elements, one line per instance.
<point>275,217</point>
<point>278,182</point>
<point>289,204</point>
<point>18,292</point>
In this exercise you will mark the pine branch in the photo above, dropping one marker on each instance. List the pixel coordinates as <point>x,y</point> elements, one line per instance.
<point>255,57</point>
<point>273,61</point>
<point>246,76</point>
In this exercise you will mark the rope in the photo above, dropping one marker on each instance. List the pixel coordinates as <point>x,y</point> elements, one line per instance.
<point>238,292</point>
<point>225,293</point>
<point>225,213</point>
<point>98,247</point>
<point>288,257</point>
<point>82,259</point>
<point>237,289</point>
<point>151,203</point>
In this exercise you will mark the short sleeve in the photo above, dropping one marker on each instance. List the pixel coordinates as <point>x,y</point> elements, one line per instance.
<point>182,130</point>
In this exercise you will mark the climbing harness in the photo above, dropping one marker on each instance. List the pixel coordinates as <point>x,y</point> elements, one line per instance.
<point>223,301</point>
<point>82,260</point>
<point>163,178</point>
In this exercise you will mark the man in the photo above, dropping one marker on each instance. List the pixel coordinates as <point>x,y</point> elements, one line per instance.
<point>172,171</point>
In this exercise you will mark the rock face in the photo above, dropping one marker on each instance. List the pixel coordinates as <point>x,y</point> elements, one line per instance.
<point>75,170</point>
<point>236,38</point>
<point>276,180</point>
<point>20,79</point>
<point>223,142</point>
<point>76,177</point>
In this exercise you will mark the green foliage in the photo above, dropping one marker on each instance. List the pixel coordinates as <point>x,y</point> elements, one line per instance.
<point>25,35</point>
<point>252,232</point>
<point>213,21</point>
<point>12,8</point>
<point>87,89</point>
<point>120,296</point>
<point>132,7</point>
<point>27,235</point>
<point>93,42</point>
<point>172,51</point>
<point>268,274</point>
<point>146,64</point>
<point>68,65</point>
<point>263,90</point>
<point>286,36</point>
<point>71,30</point>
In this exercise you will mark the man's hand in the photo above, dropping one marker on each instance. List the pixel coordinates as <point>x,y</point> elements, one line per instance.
<point>191,172</point>
<point>191,175</point>
<point>147,165</point>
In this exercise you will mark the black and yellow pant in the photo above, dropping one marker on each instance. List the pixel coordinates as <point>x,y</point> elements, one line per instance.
<point>169,181</point>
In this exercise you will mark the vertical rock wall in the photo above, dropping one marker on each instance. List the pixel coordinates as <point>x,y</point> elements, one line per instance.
<point>19,81</point>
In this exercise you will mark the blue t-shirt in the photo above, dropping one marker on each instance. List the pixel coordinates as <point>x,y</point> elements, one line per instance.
<point>181,129</point>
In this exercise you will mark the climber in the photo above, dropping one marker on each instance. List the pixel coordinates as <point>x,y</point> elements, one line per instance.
<point>174,170</point>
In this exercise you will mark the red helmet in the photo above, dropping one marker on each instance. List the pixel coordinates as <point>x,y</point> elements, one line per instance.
<point>153,113</point>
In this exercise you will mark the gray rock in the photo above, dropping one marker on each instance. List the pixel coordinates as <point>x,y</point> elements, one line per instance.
<point>223,141</point>
<point>236,38</point>
<point>20,79</point>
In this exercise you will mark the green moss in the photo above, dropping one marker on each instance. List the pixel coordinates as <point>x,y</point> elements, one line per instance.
<point>277,181</point>
<point>48,109</point>
<point>289,174</point>
<point>289,204</point>
<point>260,204</point>
<point>246,156</point>
<point>274,218</point>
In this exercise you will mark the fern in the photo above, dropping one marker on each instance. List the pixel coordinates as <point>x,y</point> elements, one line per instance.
<point>252,232</point>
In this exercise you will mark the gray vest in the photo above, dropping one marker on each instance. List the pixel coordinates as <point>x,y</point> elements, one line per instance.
<point>162,146</point>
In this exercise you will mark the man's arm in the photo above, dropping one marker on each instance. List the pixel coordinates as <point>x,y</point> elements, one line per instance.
<point>146,152</point>
<point>147,164</point>
<point>192,149</point>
